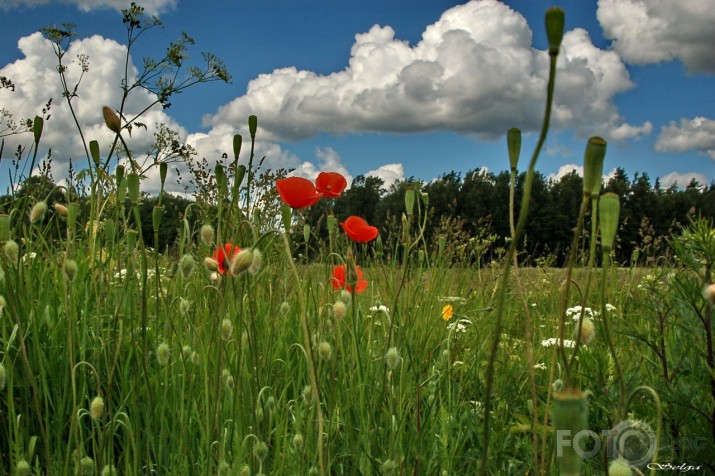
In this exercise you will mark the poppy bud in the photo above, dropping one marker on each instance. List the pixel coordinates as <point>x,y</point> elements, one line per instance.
<point>425,199</point>
<point>186,352</point>
<point>392,358</point>
<point>240,172</point>
<point>111,119</point>
<point>60,209</point>
<point>163,352</point>
<point>409,201</point>
<point>70,269</point>
<point>306,232</point>
<point>186,265</point>
<point>619,467</point>
<point>22,468</point>
<point>252,126</point>
<point>237,141</point>
<point>555,19</point>
<point>513,145</point>
<point>593,166</point>
<point>339,309</point>
<point>37,126</point>
<point>256,262</point>
<point>298,441</point>
<point>12,250</point>
<point>285,308</point>
<point>220,177</point>
<point>325,350</point>
<point>242,261</point>
<point>86,466</point>
<point>163,169</point>
<point>207,234</point>
<point>588,331</point>
<point>96,408</point>
<point>226,329</point>
<point>109,470</point>
<point>156,215</point>
<point>609,208</point>
<point>38,211</point>
<point>260,450</point>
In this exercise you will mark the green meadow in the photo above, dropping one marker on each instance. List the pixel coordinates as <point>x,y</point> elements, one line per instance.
<point>257,345</point>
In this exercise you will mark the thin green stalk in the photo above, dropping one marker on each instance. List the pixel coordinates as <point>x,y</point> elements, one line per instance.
<point>607,334</point>
<point>504,280</point>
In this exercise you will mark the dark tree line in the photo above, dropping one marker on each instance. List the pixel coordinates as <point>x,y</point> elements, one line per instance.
<point>477,204</point>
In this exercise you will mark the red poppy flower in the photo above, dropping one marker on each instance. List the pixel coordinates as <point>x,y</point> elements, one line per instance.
<point>338,279</point>
<point>358,230</point>
<point>224,255</point>
<point>330,184</point>
<point>297,192</point>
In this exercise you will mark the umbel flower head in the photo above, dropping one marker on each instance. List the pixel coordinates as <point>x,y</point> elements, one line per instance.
<point>358,230</point>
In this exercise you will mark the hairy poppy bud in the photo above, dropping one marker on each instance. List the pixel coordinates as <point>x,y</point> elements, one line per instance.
<point>339,309</point>
<point>619,467</point>
<point>252,126</point>
<point>609,208</point>
<point>163,353</point>
<point>593,166</point>
<point>207,234</point>
<point>22,468</point>
<point>111,119</point>
<point>186,265</point>
<point>588,331</point>
<point>86,466</point>
<point>325,350</point>
<point>70,269</point>
<point>392,358</point>
<point>513,145</point>
<point>211,264</point>
<point>242,261</point>
<point>226,329</point>
<point>37,126</point>
<point>38,211</point>
<point>60,209</point>
<point>96,408</point>
<point>12,250</point>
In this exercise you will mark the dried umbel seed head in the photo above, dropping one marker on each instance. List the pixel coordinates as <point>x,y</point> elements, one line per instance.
<point>588,331</point>
<point>38,211</point>
<point>392,358</point>
<point>70,269</point>
<point>325,350</point>
<point>186,265</point>
<point>96,407</point>
<point>226,329</point>
<point>163,352</point>
<point>60,209</point>
<point>12,250</point>
<point>207,234</point>
<point>111,119</point>
<point>242,261</point>
<point>339,310</point>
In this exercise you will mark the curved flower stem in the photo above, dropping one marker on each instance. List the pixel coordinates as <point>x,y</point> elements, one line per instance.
<point>309,351</point>
<point>658,423</point>
<point>504,279</point>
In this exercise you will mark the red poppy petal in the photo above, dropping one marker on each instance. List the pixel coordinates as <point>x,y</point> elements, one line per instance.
<point>297,192</point>
<point>330,184</point>
<point>358,230</point>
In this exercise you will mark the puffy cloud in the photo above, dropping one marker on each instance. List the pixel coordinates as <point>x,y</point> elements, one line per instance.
<point>566,169</point>
<point>682,180</point>
<point>627,131</point>
<point>692,134</point>
<point>36,80</point>
<point>329,161</point>
<point>650,31</point>
<point>389,173</point>
<point>474,72</point>
<point>151,6</point>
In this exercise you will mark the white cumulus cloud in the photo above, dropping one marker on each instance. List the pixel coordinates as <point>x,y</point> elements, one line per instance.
<point>151,6</point>
<point>566,169</point>
<point>691,134</point>
<point>650,31</point>
<point>389,173</point>
<point>474,71</point>
<point>682,180</point>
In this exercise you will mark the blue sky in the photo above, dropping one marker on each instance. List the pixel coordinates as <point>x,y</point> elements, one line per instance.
<point>394,88</point>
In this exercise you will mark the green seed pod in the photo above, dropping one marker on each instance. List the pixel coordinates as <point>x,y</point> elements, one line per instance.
<point>425,199</point>
<point>70,269</point>
<point>163,169</point>
<point>37,126</point>
<point>240,173</point>
<point>156,215</point>
<point>237,141</point>
<point>94,152</point>
<point>569,415</point>
<point>133,188</point>
<point>513,145</point>
<point>131,240</point>
<point>111,119</point>
<point>252,126</point>
<point>306,232</point>
<point>593,166</point>
<point>4,228</point>
<point>555,19</point>
<point>609,208</point>
<point>409,201</point>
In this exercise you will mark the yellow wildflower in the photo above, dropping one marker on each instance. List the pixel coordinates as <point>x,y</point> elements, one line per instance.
<point>447,312</point>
